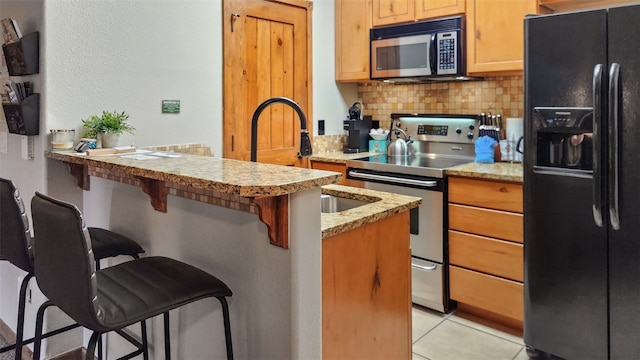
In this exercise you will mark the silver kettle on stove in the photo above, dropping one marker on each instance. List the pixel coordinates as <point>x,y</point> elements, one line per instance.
<point>399,146</point>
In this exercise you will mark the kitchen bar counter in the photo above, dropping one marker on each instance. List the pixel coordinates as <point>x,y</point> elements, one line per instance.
<point>227,176</point>
<point>502,171</point>
<point>256,188</point>
<point>383,205</point>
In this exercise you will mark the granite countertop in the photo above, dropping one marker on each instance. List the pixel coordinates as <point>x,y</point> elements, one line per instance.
<point>242,178</point>
<point>383,205</point>
<point>502,171</point>
<point>339,157</point>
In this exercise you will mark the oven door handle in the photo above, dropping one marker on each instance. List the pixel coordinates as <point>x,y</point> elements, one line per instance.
<point>392,179</point>
<point>422,267</point>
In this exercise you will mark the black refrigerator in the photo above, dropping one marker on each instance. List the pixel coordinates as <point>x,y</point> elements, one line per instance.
<point>582,184</point>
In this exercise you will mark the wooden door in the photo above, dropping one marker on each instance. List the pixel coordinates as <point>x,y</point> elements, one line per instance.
<point>426,9</point>
<point>387,12</point>
<point>266,54</point>
<point>495,35</point>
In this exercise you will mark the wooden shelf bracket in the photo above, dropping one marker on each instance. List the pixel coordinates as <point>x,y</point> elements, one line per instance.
<point>274,212</point>
<point>157,191</point>
<point>81,173</point>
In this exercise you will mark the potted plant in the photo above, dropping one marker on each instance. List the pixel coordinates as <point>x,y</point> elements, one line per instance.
<point>109,126</point>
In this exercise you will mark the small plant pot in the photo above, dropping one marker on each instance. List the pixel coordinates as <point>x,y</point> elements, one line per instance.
<point>110,140</point>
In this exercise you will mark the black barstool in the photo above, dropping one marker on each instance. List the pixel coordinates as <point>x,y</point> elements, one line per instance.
<point>118,296</point>
<point>16,247</point>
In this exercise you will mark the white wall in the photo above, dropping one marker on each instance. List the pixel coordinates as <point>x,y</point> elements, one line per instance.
<point>128,56</point>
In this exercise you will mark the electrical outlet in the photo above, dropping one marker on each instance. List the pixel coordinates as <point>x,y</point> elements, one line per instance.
<point>3,141</point>
<point>27,147</point>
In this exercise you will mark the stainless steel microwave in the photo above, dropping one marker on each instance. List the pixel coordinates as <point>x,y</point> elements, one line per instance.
<point>419,51</point>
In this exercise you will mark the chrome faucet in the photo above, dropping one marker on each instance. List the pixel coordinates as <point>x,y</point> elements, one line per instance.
<point>305,142</point>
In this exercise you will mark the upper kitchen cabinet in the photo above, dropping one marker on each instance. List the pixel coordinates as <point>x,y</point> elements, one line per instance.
<point>353,21</point>
<point>495,36</point>
<point>386,12</point>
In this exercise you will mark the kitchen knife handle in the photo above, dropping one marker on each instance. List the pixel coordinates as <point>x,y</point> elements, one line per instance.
<point>597,144</point>
<point>614,124</point>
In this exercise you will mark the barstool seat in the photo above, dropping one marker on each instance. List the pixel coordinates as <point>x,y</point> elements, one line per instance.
<point>16,247</point>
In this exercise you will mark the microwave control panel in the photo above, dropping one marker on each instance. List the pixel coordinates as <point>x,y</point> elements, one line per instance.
<point>447,43</point>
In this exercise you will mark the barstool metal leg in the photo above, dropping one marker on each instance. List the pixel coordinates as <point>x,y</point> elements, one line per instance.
<point>91,347</point>
<point>22,297</point>
<point>37,340</point>
<point>227,327</point>
<point>167,340</point>
<point>145,343</point>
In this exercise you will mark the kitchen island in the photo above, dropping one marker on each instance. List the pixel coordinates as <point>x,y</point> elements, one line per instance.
<point>277,289</point>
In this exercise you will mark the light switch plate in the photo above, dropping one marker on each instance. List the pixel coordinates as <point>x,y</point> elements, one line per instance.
<point>26,143</point>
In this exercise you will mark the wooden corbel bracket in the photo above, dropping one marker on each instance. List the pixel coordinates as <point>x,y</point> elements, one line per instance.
<point>157,191</point>
<point>274,212</point>
<point>81,173</point>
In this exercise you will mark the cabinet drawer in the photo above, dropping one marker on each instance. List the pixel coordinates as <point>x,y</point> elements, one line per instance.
<point>329,166</point>
<point>488,194</point>
<point>493,223</point>
<point>500,296</point>
<point>491,256</point>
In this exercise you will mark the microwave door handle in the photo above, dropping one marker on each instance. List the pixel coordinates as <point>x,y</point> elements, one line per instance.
<point>433,52</point>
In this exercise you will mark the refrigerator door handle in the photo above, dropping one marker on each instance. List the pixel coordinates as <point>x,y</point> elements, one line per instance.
<point>597,144</point>
<point>614,123</point>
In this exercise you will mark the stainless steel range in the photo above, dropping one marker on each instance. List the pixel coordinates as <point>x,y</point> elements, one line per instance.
<point>437,142</point>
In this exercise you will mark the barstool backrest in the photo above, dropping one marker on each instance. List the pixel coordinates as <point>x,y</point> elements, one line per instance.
<point>64,262</point>
<point>15,238</point>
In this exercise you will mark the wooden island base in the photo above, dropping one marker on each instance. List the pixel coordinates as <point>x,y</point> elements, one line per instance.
<point>366,292</point>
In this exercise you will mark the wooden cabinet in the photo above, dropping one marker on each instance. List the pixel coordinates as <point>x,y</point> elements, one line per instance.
<point>366,292</point>
<point>353,21</point>
<point>486,248</point>
<point>495,36</point>
<point>331,166</point>
<point>426,9</point>
<point>387,12</point>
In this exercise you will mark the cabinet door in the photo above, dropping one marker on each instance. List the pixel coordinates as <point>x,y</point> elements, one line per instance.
<point>495,35</point>
<point>387,12</point>
<point>353,21</point>
<point>426,9</point>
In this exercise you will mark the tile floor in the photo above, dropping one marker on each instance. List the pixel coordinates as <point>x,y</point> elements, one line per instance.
<point>439,336</point>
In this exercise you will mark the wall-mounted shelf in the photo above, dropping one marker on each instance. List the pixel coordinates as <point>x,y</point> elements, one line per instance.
<point>23,118</point>
<point>23,56</point>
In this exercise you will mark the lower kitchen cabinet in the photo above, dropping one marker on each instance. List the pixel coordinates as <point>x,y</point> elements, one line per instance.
<point>331,166</point>
<point>366,292</point>
<point>486,249</point>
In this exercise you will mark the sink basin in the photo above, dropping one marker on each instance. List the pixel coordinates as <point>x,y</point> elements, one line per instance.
<point>333,204</point>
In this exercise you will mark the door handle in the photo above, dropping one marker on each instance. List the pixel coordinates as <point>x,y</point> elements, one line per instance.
<point>597,201</point>
<point>614,146</point>
<point>422,267</point>
<point>393,179</point>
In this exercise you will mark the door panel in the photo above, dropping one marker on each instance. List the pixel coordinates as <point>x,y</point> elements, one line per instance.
<point>565,252</point>
<point>624,247</point>
<point>266,55</point>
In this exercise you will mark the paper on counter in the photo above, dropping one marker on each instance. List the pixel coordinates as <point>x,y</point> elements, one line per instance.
<point>139,157</point>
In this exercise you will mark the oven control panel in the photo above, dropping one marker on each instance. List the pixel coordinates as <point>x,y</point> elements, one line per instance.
<point>462,129</point>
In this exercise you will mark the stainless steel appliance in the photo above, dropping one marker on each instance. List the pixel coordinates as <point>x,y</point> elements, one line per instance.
<point>425,50</point>
<point>439,142</point>
<point>581,184</point>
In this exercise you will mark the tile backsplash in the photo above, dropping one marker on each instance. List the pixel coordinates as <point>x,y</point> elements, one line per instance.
<point>499,95</point>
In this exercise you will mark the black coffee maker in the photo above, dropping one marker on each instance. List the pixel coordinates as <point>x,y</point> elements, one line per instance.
<point>564,137</point>
<point>358,127</point>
